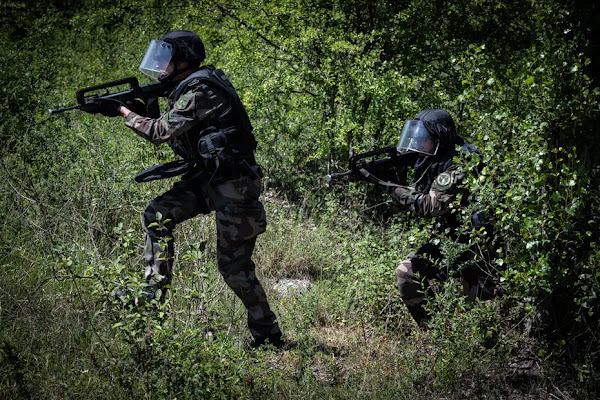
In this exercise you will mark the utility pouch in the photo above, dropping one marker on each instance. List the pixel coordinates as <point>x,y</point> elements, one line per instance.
<point>162,171</point>
<point>216,151</point>
<point>254,171</point>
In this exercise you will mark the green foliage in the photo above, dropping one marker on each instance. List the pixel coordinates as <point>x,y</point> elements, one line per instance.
<point>13,371</point>
<point>320,80</point>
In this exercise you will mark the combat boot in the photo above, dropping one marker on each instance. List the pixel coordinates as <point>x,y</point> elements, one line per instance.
<point>275,340</point>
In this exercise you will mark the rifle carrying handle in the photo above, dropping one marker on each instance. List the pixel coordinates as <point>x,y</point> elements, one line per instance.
<point>132,81</point>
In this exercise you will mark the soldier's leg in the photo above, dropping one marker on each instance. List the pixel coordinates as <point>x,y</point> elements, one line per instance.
<point>477,277</point>
<point>238,270</point>
<point>412,292</point>
<point>240,218</point>
<point>477,284</point>
<point>414,288</point>
<point>185,200</point>
<point>479,271</point>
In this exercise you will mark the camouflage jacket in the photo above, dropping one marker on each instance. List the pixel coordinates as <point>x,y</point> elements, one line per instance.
<point>436,185</point>
<point>189,111</point>
<point>203,104</point>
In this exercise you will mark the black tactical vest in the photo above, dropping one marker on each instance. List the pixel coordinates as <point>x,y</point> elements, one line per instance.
<point>222,139</point>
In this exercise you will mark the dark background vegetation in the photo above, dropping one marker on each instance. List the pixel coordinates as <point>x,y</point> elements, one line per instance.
<point>320,79</point>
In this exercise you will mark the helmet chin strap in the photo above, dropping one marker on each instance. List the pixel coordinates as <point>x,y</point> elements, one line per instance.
<point>165,78</point>
<point>168,77</point>
<point>176,71</point>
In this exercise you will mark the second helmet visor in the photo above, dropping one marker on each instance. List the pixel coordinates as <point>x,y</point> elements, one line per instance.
<point>157,59</point>
<point>415,137</point>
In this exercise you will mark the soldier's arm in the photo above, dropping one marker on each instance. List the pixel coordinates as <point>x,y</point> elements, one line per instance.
<point>437,201</point>
<point>193,106</point>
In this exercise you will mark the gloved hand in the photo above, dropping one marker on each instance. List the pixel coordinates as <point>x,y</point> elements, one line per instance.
<point>106,107</point>
<point>398,192</point>
<point>137,107</point>
<point>402,197</point>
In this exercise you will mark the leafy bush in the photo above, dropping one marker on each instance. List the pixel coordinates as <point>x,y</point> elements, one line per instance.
<point>320,80</point>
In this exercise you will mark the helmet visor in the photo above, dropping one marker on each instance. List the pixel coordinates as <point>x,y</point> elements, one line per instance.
<point>415,137</point>
<point>157,58</point>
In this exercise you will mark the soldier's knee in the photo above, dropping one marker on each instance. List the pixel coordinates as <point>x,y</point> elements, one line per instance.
<point>404,272</point>
<point>153,215</point>
<point>408,287</point>
<point>237,280</point>
<point>233,257</point>
<point>244,284</point>
<point>240,267</point>
<point>149,215</point>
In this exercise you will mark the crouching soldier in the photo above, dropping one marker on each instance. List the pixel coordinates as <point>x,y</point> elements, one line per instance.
<point>436,184</point>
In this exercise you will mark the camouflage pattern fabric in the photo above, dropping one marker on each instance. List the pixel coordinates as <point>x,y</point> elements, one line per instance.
<point>412,292</point>
<point>240,218</point>
<point>437,200</point>
<point>199,108</point>
<point>432,194</point>
<point>194,106</point>
<point>413,276</point>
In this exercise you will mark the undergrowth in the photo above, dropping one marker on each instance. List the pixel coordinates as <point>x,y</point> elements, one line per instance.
<point>320,81</point>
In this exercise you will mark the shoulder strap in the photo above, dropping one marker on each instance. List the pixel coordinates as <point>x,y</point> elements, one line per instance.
<point>207,73</point>
<point>217,77</point>
<point>191,80</point>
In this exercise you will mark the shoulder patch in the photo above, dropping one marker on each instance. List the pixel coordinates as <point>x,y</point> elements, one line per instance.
<point>184,100</point>
<point>443,180</point>
<point>193,82</point>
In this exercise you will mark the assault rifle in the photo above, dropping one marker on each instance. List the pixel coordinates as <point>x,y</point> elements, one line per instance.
<point>142,99</point>
<point>385,166</point>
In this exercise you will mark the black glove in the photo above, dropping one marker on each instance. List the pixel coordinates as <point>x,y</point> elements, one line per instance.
<point>137,106</point>
<point>106,107</point>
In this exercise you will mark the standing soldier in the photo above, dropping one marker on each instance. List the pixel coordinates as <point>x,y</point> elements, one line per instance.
<point>207,126</point>
<point>435,186</point>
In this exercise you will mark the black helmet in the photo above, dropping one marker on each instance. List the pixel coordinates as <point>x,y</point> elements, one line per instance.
<point>187,46</point>
<point>440,125</point>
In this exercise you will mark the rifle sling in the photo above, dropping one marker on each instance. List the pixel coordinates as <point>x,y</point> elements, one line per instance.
<point>376,180</point>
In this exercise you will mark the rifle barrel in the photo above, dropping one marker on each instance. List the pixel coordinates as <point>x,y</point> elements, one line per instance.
<point>336,175</point>
<point>62,109</point>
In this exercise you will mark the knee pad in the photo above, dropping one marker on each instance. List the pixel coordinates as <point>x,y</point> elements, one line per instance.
<point>408,287</point>
<point>404,272</point>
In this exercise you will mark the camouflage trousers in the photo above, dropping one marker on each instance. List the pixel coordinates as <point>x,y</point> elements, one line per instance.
<point>414,273</point>
<point>240,218</point>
